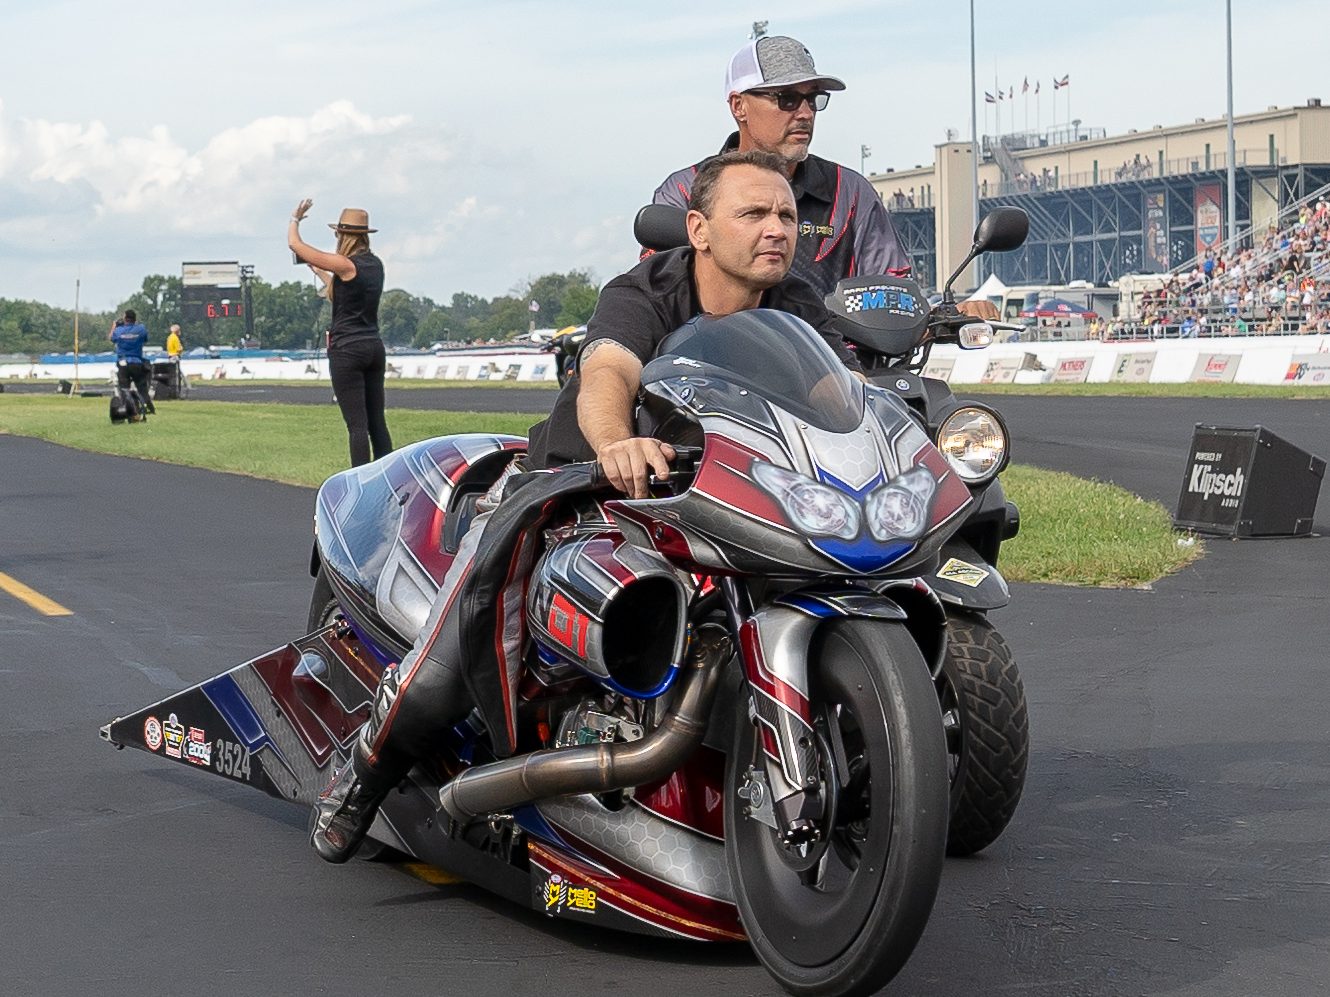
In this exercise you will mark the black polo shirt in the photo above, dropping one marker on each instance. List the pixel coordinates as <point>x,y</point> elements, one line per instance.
<point>639,309</point>
<point>844,228</point>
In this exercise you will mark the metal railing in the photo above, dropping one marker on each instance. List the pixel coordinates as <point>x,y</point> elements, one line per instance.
<point>1133,171</point>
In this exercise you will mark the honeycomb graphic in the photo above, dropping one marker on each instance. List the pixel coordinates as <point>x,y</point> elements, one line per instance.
<point>642,841</point>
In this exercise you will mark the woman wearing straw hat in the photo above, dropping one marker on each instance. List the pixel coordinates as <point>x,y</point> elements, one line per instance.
<point>353,280</point>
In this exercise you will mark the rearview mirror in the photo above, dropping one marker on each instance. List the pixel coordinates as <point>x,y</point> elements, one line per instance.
<point>1002,229</point>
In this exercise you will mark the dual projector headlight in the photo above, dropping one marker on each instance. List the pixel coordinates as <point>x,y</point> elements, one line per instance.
<point>972,439</point>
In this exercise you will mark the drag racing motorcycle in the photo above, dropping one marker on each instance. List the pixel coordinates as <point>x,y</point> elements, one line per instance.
<point>709,714</point>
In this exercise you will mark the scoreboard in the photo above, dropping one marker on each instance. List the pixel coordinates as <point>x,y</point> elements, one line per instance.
<point>210,291</point>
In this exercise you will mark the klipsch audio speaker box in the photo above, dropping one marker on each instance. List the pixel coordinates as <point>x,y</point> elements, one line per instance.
<point>1248,483</point>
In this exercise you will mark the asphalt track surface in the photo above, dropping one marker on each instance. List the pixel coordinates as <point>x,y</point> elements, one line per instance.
<point>1173,838</point>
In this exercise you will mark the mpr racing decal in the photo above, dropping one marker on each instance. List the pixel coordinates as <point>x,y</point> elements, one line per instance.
<point>963,573</point>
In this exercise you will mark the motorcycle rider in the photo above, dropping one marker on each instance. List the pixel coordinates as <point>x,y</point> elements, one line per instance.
<point>742,230</point>
<point>774,93</point>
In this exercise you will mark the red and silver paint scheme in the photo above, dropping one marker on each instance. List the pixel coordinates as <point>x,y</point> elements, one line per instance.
<point>388,531</point>
<point>616,611</point>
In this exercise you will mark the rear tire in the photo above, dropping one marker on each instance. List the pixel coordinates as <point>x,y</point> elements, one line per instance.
<point>988,732</point>
<point>322,604</point>
<point>850,926</point>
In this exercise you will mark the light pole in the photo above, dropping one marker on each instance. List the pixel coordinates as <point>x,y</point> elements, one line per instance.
<point>864,153</point>
<point>1232,167</point>
<point>974,129</point>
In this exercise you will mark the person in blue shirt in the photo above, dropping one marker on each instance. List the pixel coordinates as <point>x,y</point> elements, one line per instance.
<point>129,336</point>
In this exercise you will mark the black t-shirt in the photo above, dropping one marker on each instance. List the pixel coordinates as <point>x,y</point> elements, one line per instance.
<point>639,309</point>
<point>355,302</point>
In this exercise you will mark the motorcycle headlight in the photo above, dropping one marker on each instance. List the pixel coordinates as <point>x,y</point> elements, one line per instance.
<point>899,510</point>
<point>813,508</point>
<point>974,441</point>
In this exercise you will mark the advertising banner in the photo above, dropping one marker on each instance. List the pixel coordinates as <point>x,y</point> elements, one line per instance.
<point>1216,367</point>
<point>1000,370</point>
<point>1072,370</point>
<point>1209,217</point>
<point>1156,233</point>
<point>1308,368</point>
<point>940,368</point>
<point>1134,368</point>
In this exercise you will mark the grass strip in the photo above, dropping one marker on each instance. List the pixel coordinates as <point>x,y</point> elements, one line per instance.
<point>1080,532</point>
<point>295,444</point>
<point>1073,531</point>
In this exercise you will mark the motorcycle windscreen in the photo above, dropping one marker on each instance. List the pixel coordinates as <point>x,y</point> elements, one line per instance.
<point>772,353</point>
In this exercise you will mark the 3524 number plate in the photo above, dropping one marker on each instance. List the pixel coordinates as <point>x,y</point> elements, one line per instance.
<point>231,759</point>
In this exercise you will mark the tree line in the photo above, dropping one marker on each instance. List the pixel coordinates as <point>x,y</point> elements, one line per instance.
<point>291,315</point>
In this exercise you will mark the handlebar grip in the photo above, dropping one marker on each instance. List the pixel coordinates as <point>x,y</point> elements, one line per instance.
<point>598,478</point>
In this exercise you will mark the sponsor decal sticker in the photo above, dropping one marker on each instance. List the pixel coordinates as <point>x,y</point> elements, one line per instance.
<point>173,733</point>
<point>963,572</point>
<point>808,228</point>
<point>889,299</point>
<point>152,734</point>
<point>561,895</point>
<point>198,749</point>
<point>1205,481</point>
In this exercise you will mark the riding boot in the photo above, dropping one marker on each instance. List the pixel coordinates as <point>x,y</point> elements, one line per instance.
<point>345,809</point>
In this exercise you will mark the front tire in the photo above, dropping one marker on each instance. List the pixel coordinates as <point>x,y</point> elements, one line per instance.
<point>988,732</point>
<point>849,924</point>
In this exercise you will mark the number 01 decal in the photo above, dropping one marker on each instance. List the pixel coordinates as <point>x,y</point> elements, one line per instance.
<point>231,759</point>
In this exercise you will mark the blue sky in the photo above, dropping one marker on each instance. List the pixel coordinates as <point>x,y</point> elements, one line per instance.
<point>495,142</point>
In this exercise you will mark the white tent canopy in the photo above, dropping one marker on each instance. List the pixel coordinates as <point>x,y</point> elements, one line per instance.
<point>991,289</point>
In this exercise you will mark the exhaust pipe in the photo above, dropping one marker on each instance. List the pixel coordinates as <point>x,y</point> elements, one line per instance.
<point>600,768</point>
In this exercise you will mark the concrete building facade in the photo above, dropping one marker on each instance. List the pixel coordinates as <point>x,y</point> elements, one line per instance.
<point>1101,206</point>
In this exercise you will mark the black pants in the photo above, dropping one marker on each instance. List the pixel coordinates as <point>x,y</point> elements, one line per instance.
<point>136,374</point>
<point>357,369</point>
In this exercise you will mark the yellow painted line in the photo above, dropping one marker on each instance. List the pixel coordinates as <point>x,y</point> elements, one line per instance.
<point>39,602</point>
<point>431,874</point>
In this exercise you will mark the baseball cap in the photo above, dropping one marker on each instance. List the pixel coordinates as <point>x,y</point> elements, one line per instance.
<point>774,62</point>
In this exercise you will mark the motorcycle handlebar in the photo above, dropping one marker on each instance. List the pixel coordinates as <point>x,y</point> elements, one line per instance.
<point>683,467</point>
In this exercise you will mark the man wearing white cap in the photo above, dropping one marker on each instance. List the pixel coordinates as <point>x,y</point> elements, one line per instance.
<point>774,93</point>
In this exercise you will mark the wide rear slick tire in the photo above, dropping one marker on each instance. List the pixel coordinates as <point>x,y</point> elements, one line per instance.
<point>322,604</point>
<point>851,926</point>
<point>988,732</point>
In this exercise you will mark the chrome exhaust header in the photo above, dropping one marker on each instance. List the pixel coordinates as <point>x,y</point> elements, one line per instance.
<point>600,768</point>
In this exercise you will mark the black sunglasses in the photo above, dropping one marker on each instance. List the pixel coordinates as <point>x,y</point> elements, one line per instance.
<point>789,100</point>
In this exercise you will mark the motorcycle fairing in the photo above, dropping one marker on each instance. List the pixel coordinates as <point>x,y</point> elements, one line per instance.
<point>729,523</point>
<point>380,530</point>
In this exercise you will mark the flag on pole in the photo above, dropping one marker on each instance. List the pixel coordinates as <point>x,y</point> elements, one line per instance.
<point>1002,94</point>
<point>1036,88</point>
<point>989,98</point>
<point>1025,87</point>
<point>1011,93</point>
<point>1064,82</point>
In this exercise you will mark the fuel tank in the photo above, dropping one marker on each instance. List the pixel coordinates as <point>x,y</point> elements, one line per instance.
<point>386,532</point>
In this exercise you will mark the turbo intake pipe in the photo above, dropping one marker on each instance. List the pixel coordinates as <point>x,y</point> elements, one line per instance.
<point>600,768</point>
